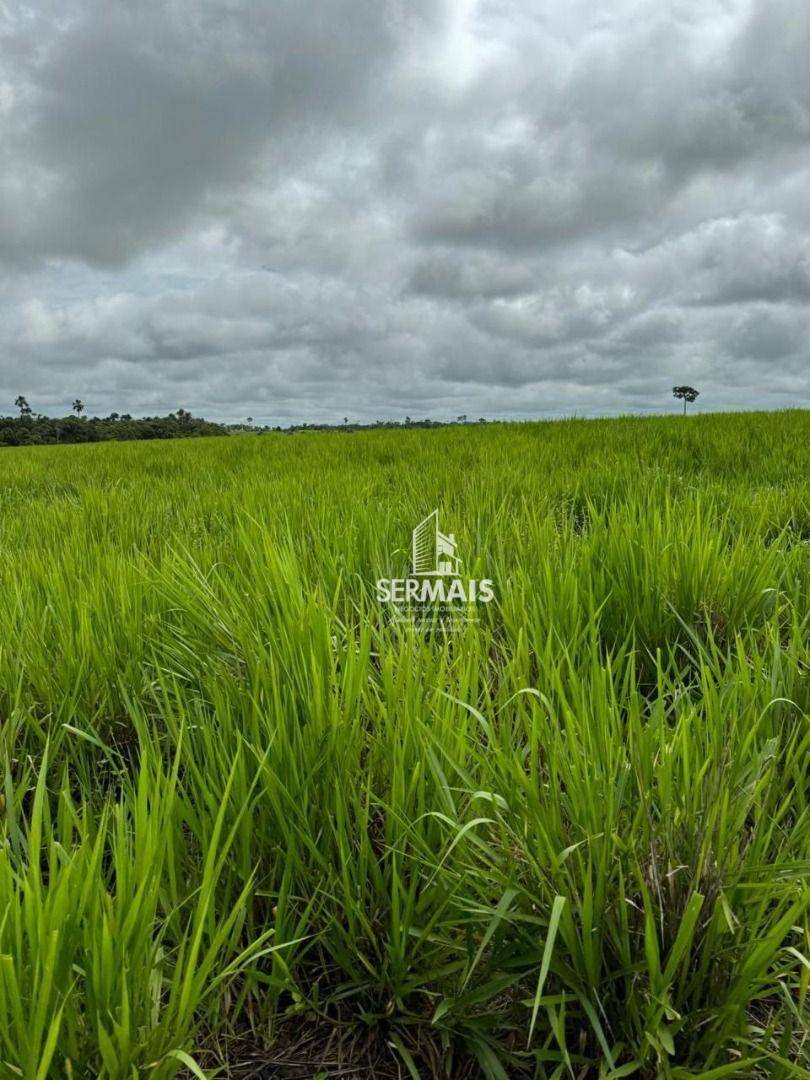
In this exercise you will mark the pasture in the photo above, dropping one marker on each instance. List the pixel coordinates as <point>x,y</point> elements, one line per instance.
<point>254,825</point>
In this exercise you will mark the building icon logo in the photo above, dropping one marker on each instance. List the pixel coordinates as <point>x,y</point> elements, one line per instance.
<point>434,553</point>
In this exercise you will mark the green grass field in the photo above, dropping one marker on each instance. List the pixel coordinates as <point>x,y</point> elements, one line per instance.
<point>253,824</point>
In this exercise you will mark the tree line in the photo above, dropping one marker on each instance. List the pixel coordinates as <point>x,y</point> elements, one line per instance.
<point>33,429</point>
<point>36,429</point>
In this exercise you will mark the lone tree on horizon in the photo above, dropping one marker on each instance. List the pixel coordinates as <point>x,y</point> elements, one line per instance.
<point>78,406</point>
<point>688,393</point>
<point>22,405</point>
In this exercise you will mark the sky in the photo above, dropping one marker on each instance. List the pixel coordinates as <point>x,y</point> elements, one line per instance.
<point>378,208</point>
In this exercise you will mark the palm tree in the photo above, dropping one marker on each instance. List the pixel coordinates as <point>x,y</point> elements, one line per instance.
<point>688,393</point>
<point>78,406</point>
<point>22,405</point>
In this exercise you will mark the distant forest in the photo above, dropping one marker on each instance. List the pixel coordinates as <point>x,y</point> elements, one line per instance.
<point>35,429</point>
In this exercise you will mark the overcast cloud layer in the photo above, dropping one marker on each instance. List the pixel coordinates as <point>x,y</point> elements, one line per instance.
<point>372,208</point>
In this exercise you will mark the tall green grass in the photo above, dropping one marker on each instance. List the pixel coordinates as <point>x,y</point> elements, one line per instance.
<point>247,816</point>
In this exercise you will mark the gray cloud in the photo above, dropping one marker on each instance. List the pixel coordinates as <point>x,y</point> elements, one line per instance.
<point>380,207</point>
<point>464,277</point>
<point>769,336</point>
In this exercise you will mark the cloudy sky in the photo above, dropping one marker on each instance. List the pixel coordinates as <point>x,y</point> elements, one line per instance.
<point>300,211</point>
